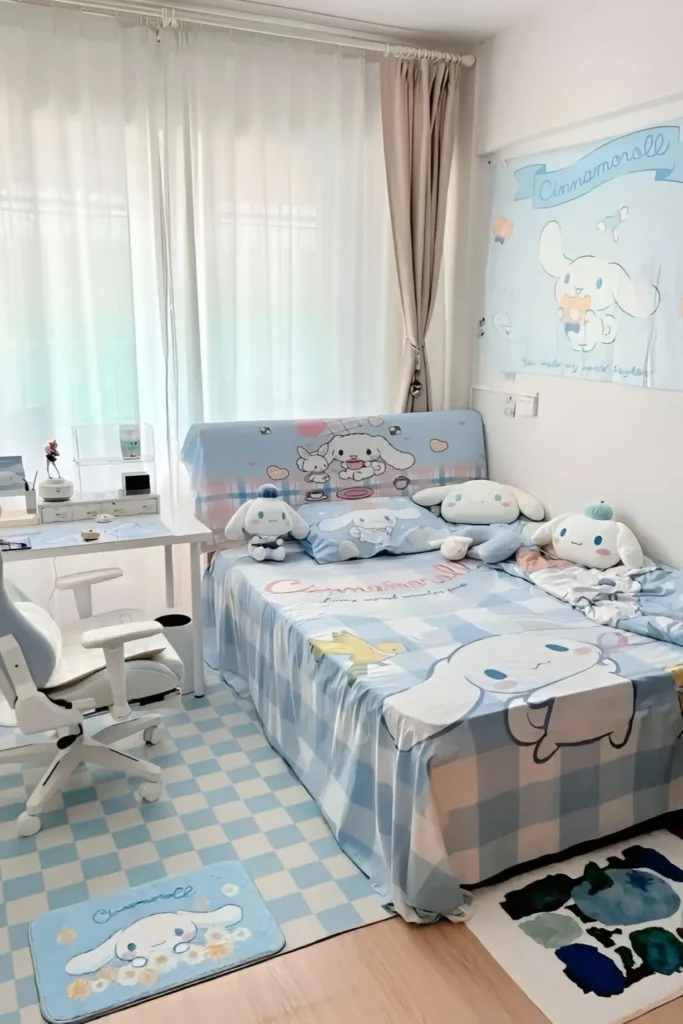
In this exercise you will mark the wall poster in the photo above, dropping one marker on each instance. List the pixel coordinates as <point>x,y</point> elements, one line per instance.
<point>585,262</point>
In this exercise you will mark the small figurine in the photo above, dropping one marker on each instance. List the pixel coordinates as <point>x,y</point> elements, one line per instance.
<point>54,488</point>
<point>51,456</point>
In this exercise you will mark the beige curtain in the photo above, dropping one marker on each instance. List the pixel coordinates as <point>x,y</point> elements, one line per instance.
<point>418,123</point>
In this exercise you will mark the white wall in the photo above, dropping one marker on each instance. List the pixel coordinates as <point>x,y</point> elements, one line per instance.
<point>580,64</point>
<point>556,82</point>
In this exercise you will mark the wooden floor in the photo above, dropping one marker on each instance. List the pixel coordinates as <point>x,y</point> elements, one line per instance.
<point>389,972</point>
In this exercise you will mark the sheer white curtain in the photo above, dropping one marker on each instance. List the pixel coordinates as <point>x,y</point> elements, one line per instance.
<point>279,227</point>
<point>194,227</point>
<point>69,334</point>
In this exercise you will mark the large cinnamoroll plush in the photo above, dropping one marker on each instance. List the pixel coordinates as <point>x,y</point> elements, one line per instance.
<point>268,519</point>
<point>593,540</point>
<point>481,502</point>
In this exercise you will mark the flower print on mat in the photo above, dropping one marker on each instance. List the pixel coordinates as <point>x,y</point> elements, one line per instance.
<point>152,941</point>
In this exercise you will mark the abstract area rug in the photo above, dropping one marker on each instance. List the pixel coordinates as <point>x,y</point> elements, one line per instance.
<point>596,938</point>
<point>111,952</point>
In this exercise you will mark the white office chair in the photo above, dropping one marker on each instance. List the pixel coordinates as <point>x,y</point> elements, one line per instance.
<point>54,686</point>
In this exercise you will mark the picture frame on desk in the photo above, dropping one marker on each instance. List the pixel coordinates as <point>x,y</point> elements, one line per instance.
<point>135,483</point>
<point>13,484</point>
<point>12,476</point>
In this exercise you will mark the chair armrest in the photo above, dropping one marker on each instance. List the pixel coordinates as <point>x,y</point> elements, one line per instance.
<point>110,637</point>
<point>84,579</point>
<point>81,583</point>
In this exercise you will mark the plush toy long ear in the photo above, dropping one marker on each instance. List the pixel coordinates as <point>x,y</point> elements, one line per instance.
<point>432,495</point>
<point>336,523</point>
<point>227,915</point>
<point>544,534</point>
<point>630,551</point>
<point>298,527</point>
<point>93,959</point>
<point>392,456</point>
<point>637,298</point>
<point>528,505</point>
<point>233,531</point>
<point>407,513</point>
<point>550,254</point>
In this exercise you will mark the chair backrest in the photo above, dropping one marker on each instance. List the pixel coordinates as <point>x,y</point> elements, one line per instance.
<point>39,650</point>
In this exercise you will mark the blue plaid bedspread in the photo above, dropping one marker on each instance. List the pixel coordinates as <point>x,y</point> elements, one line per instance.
<point>451,721</point>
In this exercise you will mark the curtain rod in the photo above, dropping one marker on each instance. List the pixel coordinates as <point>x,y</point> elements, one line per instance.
<point>158,16</point>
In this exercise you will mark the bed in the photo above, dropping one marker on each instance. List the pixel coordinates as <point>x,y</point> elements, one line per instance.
<point>389,684</point>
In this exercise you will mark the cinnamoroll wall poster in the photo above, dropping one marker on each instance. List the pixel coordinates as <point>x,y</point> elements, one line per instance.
<point>585,264</point>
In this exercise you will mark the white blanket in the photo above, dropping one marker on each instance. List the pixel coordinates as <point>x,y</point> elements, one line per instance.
<point>604,595</point>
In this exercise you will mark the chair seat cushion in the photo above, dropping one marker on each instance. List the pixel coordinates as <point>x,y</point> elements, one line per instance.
<point>74,662</point>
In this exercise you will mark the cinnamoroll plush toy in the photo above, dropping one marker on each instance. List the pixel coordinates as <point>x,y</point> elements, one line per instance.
<point>268,519</point>
<point>481,502</point>
<point>593,540</point>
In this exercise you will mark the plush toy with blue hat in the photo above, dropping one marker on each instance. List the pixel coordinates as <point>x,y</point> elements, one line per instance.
<point>594,540</point>
<point>267,519</point>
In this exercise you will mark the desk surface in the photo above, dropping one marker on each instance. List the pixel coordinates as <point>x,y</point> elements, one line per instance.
<point>59,539</point>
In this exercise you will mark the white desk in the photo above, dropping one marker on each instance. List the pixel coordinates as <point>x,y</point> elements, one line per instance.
<point>59,540</point>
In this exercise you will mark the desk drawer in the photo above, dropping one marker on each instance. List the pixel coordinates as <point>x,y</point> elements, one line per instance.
<point>56,515</point>
<point>89,511</point>
<point>131,506</point>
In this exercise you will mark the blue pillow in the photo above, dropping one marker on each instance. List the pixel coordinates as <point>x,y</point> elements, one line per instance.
<point>340,530</point>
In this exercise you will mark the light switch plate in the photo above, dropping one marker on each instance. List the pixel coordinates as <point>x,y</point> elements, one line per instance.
<point>526,405</point>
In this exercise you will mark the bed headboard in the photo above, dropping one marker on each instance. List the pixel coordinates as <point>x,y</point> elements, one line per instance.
<point>327,460</point>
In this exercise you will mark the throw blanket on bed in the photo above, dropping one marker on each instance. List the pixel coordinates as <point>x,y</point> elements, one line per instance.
<point>450,720</point>
<point>647,601</point>
<point>604,595</point>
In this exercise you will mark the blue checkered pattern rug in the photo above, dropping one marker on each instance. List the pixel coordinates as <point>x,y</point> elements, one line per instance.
<point>227,795</point>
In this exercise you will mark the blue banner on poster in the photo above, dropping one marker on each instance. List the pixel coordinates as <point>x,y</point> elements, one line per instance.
<point>653,149</point>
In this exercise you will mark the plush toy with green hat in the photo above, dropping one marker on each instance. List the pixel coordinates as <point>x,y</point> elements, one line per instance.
<point>594,540</point>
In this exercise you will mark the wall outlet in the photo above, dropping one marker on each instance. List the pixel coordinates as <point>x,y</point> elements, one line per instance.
<point>510,405</point>
<point>526,405</point>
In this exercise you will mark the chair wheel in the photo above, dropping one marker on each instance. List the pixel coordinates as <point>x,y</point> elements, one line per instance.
<point>150,792</point>
<point>27,825</point>
<point>152,736</point>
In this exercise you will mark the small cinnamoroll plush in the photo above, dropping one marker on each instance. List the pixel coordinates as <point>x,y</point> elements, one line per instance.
<point>481,502</point>
<point>593,540</point>
<point>268,519</point>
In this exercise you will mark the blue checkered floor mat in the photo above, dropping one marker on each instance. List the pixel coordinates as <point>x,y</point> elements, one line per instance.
<point>227,794</point>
